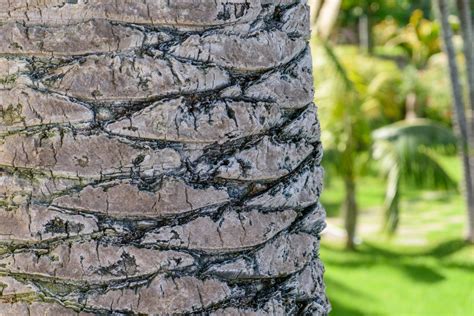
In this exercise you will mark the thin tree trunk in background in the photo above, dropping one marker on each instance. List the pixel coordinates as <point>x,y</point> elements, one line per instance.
<point>465,15</point>
<point>460,116</point>
<point>392,201</point>
<point>327,18</point>
<point>365,33</point>
<point>158,158</point>
<point>350,212</point>
<point>410,106</point>
<point>315,7</point>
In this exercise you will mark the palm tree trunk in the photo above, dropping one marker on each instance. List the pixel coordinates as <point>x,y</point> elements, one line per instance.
<point>465,16</point>
<point>459,109</point>
<point>158,158</point>
<point>350,212</point>
<point>464,9</point>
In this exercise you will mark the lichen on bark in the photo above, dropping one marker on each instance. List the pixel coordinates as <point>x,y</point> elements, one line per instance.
<point>158,157</point>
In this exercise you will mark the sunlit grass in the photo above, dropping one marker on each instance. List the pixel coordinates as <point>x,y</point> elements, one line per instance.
<point>370,193</point>
<point>426,269</point>
<point>381,279</point>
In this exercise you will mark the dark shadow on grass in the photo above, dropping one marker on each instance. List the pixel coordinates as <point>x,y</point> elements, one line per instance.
<point>338,286</point>
<point>338,308</point>
<point>369,254</point>
<point>442,250</point>
<point>460,266</point>
<point>422,273</point>
<point>447,248</point>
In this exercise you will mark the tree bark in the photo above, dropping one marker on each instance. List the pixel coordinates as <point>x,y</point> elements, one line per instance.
<point>460,116</point>
<point>465,15</point>
<point>158,158</point>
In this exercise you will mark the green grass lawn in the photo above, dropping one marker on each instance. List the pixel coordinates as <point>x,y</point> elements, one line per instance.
<point>426,269</point>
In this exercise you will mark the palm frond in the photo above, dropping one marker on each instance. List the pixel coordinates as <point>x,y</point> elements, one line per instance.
<point>339,69</point>
<point>419,132</point>
<point>422,169</point>
<point>406,153</point>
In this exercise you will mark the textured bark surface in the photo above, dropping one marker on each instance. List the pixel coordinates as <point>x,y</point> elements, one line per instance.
<point>158,157</point>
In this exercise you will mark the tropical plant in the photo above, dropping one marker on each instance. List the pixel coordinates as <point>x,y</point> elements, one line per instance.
<point>356,93</point>
<point>434,94</point>
<point>406,152</point>
<point>379,10</point>
<point>346,132</point>
<point>419,39</point>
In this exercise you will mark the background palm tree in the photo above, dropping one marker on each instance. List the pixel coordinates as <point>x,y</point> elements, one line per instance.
<point>401,73</point>
<point>346,123</point>
<point>406,152</point>
<point>351,99</point>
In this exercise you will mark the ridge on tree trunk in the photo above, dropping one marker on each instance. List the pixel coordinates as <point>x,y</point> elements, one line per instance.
<point>158,157</point>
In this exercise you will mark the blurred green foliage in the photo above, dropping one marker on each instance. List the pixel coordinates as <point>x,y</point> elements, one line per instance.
<point>386,117</point>
<point>362,99</point>
<point>406,152</point>
<point>419,39</point>
<point>402,87</point>
<point>399,10</point>
<point>353,84</point>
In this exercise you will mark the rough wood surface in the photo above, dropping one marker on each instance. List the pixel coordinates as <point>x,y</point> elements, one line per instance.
<point>158,157</point>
